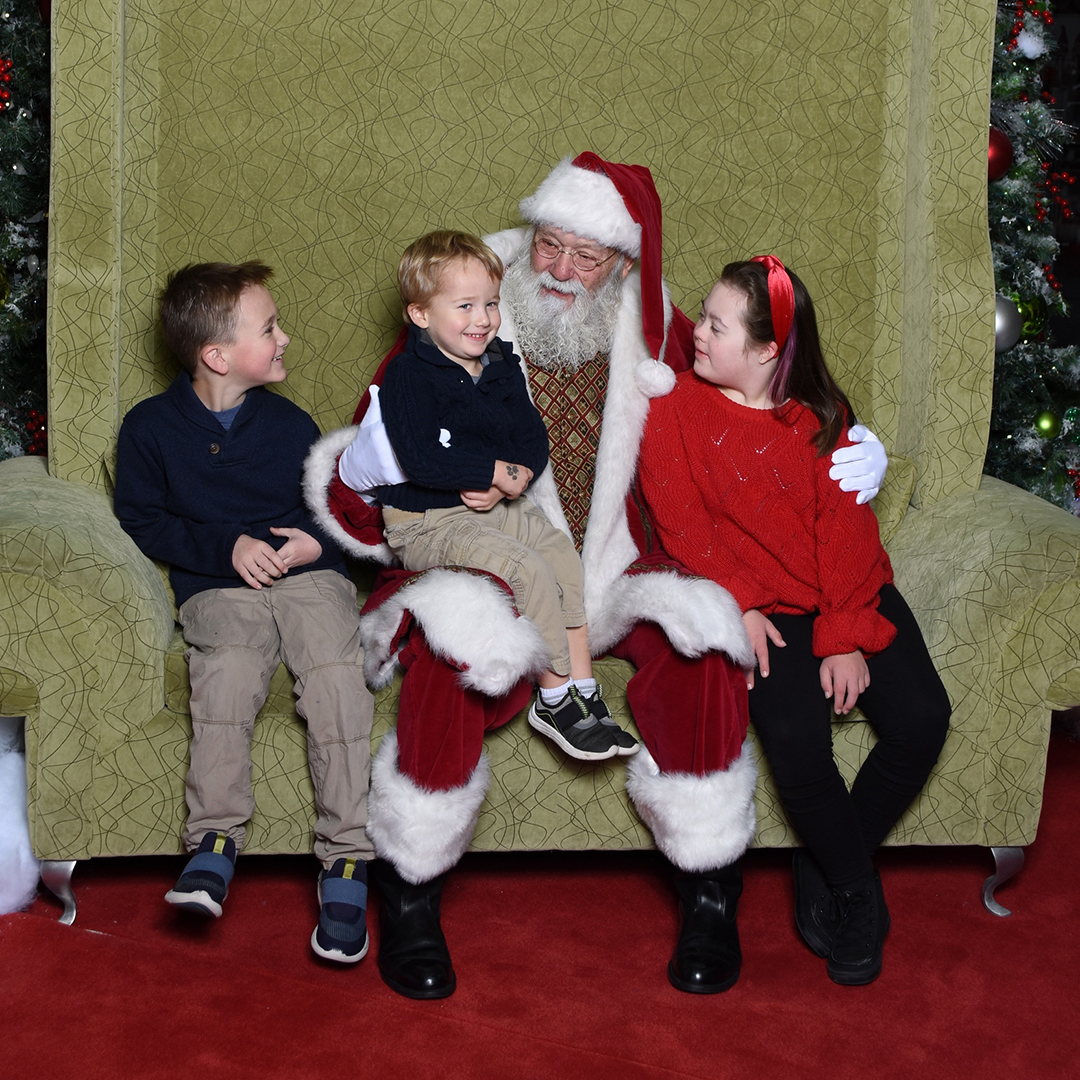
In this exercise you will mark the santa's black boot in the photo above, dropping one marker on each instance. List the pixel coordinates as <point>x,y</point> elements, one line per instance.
<point>707,957</point>
<point>413,957</point>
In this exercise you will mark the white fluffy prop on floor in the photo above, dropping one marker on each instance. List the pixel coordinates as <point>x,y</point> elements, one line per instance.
<point>19,868</point>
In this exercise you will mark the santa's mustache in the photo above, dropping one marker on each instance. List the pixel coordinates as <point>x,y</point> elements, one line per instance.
<point>544,279</point>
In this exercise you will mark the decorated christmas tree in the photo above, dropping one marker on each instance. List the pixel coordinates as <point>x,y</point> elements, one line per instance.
<point>24,205</point>
<point>1035,423</point>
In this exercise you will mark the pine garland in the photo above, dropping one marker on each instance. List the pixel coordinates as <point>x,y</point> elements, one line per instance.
<point>1035,424</point>
<point>24,205</point>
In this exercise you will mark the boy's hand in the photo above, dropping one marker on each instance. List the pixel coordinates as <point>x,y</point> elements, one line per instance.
<point>843,678</point>
<point>300,549</point>
<point>511,479</point>
<point>760,631</point>
<point>256,561</point>
<point>481,500</point>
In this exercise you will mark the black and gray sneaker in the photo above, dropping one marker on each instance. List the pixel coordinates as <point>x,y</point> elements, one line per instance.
<point>625,743</point>
<point>572,726</point>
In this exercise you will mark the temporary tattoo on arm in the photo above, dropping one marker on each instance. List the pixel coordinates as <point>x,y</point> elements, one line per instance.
<point>512,471</point>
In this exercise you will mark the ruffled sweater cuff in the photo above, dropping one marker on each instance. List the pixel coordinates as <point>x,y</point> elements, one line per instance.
<point>839,632</point>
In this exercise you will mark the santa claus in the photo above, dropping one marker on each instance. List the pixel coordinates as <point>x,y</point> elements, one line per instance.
<point>585,308</point>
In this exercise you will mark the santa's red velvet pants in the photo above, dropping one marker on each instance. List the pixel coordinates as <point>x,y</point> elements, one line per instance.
<point>692,713</point>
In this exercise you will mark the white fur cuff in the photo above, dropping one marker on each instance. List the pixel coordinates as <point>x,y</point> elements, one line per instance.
<point>696,615</point>
<point>423,833</point>
<point>466,618</point>
<point>699,822</point>
<point>320,468</point>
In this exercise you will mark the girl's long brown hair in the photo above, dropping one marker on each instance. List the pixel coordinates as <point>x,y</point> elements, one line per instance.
<point>801,375</point>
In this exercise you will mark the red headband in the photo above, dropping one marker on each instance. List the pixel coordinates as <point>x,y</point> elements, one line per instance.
<point>781,297</point>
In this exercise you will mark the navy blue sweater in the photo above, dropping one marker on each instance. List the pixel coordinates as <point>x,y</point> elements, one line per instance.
<point>448,431</point>
<point>187,489</point>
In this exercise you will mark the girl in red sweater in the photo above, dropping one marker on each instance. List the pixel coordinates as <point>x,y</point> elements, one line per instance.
<point>734,467</point>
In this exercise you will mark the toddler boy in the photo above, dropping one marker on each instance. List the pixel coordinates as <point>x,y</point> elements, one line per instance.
<point>468,440</point>
<point>209,481</point>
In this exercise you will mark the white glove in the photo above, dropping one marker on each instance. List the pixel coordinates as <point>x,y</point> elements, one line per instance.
<point>368,462</point>
<point>860,467</point>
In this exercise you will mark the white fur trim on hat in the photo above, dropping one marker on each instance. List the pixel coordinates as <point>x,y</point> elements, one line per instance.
<point>423,833</point>
<point>699,822</point>
<point>586,203</point>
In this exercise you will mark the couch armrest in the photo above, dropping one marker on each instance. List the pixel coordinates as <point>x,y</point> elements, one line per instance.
<point>994,579</point>
<point>84,623</point>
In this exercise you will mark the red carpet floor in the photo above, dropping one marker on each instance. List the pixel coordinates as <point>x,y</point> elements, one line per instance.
<point>560,962</point>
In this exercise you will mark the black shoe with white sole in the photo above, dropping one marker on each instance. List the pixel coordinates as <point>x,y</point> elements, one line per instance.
<point>572,726</point>
<point>625,743</point>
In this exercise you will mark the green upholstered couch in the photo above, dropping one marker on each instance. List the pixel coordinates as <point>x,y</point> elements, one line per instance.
<point>849,138</point>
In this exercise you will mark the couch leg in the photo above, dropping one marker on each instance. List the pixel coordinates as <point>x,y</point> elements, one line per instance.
<point>56,876</point>
<point>1007,861</point>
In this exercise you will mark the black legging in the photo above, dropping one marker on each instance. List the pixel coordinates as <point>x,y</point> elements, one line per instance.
<point>908,708</point>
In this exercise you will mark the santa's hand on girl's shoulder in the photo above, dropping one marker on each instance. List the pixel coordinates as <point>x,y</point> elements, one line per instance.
<point>861,466</point>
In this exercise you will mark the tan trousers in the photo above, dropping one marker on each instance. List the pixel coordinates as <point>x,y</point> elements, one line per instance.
<point>236,638</point>
<point>515,542</point>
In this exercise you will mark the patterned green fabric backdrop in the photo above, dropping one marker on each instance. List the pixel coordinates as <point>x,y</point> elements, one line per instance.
<point>847,136</point>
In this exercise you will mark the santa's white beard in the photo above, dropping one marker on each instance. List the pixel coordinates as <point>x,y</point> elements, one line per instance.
<point>550,332</point>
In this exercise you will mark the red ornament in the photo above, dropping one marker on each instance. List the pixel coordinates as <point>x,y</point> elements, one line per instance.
<point>39,435</point>
<point>1000,155</point>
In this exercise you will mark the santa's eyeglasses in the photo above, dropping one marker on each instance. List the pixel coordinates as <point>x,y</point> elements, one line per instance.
<point>585,261</point>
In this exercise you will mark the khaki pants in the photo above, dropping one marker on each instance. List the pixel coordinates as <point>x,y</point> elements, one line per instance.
<point>236,638</point>
<point>515,542</point>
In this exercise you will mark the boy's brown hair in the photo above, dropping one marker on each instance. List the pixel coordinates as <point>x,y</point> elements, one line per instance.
<point>422,265</point>
<point>200,305</point>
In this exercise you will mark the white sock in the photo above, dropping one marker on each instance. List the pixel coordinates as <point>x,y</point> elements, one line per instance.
<point>555,695</point>
<point>586,686</point>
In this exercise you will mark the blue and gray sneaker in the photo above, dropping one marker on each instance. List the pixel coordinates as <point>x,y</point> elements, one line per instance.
<point>204,884</point>
<point>341,934</point>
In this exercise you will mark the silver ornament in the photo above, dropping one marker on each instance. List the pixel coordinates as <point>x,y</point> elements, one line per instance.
<point>1008,324</point>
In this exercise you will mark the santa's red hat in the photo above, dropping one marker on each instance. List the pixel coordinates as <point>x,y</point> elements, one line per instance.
<point>615,205</point>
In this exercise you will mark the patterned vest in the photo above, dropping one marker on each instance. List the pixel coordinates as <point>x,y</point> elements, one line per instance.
<point>572,406</point>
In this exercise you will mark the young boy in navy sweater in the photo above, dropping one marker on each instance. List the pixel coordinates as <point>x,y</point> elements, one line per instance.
<point>208,479</point>
<point>469,440</point>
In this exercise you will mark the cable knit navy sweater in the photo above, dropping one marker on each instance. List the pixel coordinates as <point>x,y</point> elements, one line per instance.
<point>448,431</point>
<point>186,488</point>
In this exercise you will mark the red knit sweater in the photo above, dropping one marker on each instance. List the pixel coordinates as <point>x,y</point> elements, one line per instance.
<point>740,496</point>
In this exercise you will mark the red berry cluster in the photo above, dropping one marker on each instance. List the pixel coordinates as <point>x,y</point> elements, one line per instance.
<point>1074,476</point>
<point>1050,192</point>
<point>5,80</point>
<point>1032,7</point>
<point>39,437</point>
